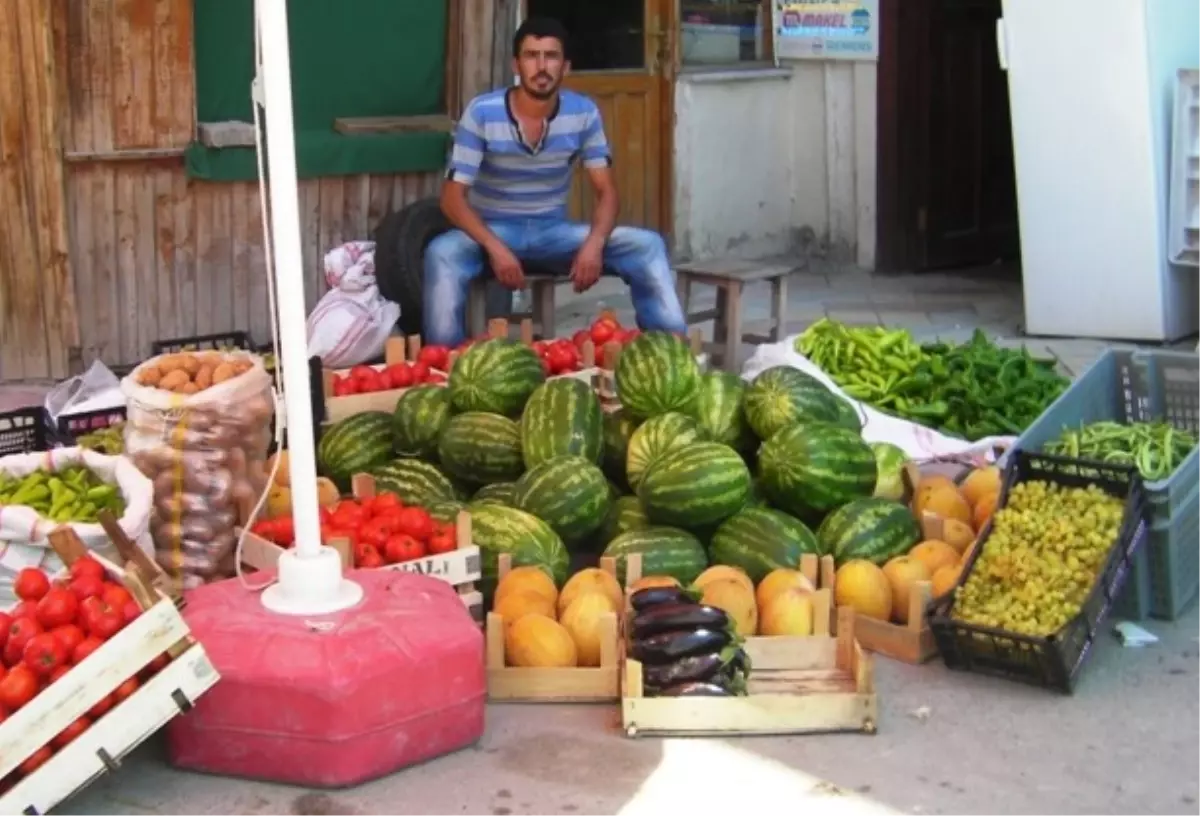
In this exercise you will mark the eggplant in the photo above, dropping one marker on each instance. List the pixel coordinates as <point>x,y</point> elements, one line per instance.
<point>653,596</point>
<point>668,647</point>
<point>695,690</point>
<point>673,617</point>
<point>694,669</point>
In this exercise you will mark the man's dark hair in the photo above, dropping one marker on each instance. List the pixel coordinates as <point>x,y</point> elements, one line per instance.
<point>539,28</point>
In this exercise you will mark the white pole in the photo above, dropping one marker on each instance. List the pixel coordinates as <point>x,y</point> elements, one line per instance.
<point>310,576</point>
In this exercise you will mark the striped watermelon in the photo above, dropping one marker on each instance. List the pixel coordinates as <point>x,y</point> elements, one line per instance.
<point>569,493</point>
<point>625,514</point>
<point>874,529</point>
<point>498,493</point>
<point>848,416</point>
<point>720,412</point>
<point>755,497</point>
<point>655,437</point>
<point>357,444</point>
<point>696,485</point>
<point>664,550</point>
<point>562,418</point>
<point>495,376</point>
<point>618,428</point>
<point>808,470</point>
<point>444,510</point>
<point>481,448</point>
<point>421,414</point>
<point>529,540</point>
<point>758,540</point>
<point>657,373</point>
<point>783,396</point>
<point>415,482</point>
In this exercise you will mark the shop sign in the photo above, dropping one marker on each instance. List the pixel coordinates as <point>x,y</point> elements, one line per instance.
<point>827,29</point>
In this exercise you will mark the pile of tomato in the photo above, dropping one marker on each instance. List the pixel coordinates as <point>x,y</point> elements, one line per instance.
<point>56,626</point>
<point>380,530</point>
<point>429,366</point>
<point>565,356</point>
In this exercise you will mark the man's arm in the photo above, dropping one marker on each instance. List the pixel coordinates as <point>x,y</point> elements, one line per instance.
<point>465,161</point>
<point>597,160</point>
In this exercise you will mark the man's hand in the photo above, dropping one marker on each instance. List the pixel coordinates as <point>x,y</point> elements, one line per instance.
<point>588,265</point>
<point>506,267</point>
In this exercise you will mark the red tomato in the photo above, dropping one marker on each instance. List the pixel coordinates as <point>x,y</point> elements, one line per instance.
<point>384,502</point>
<point>87,586</point>
<point>21,632</point>
<point>368,558</point>
<point>123,691</point>
<point>580,337</point>
<point>100,619</point>
<point>540,346</point>
<point>85,648</point>
<point>101,708</point>
<point>348,515</point>
<point>362,372</point>
<point>69,636</point>
<point>442,543</point>
<point>39,758</point>
<point>131,612</point>
<point>285,531</point>
<point>449,528</point>
<point>71,732</point>
<point>31,584</point>
<point>434,357</point>
<point>157,664</point>
<point>344,387</point>
<point>88,566</point>
<point>58,673</point>
<point>402,548</point>
<point>25,609</point>
<point>562,359</point>
<point>44,653</point>
<point>57,607</point>
<point>116,596</point>
<point>400,375</point>
<point>18,687</point>
<point>420,372</point>
<point>372,383</point>
<point>603,331</point>
<point>6,621</point>
<point>416,522</point>
<point>375,532</point>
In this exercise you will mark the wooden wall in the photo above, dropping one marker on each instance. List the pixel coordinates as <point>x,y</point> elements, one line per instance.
<point>154,254</point>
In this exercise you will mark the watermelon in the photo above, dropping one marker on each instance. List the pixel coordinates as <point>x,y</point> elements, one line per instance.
<point>655,437</point>
<point>664,550</point>
<point>420,415</point>
<point>755,497</point>
<point>719,411</point>
<point>562,418</point>
<point>758,541</point>
<point>527,539</point>
<point>657,373</point>
<point>569,493</point>
<point>498,493</point>
<point>357,444</point>
<point>808,470</point>
<point>618,428</point>
<point>848,416</point>
<point>874,529</point>
<point>445,510</point>
<point>624,514</point>
<point>495,376</point>
<point>699,484</point>
<point>481,448</point>
<point>890,461</point>
<point>783,396</point>
<point>415,482</point>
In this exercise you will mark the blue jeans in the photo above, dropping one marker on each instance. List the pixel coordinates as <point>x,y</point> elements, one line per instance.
<point>638,256</point>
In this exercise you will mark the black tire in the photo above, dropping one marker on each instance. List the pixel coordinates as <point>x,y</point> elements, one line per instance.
<point>400,241</point>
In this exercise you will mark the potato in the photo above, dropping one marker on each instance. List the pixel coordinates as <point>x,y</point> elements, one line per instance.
<point>174,379</point>
<point>188,388</point>
<point>203,378</point>
<point>149,375</point>
<point>223,372</point>
<point>189,363</point>
<point>169,362</point>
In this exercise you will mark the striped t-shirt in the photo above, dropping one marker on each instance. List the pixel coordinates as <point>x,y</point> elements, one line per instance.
<point>511,179</point>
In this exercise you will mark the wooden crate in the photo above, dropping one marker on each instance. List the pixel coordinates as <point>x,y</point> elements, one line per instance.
<point>172,691</point>
<point>397,350</point>
<point>511,684</point>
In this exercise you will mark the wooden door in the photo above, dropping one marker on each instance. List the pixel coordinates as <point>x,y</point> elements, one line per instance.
<point>622,52</point>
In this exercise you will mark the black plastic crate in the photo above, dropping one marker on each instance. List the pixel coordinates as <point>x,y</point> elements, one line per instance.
<point>23,431</point>
<point>69,428</point>
<point>1053,662</point>
<point>203,342</point>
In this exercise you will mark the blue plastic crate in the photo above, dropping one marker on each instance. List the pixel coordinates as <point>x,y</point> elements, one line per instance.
<point>1144,386</point>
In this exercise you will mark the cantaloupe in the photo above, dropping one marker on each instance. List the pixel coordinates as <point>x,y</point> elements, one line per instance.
<point>983,511</point>
<point>780,580</point>
<point>518,603</point>
<point>957,535</point>
<point>862,586</point>
<point>531,579</point>
<point>944,502</point>
<point>592,579</point>
<point>721,572</point>
<point>584,620</point>
<point>979,483</point>
<point>737,601</point>
<point>934,554</point>
<point>649,581</point>
<point>945,579</point>
<point>788,612</point>
<point>539,642</point>
<point>902,573</point>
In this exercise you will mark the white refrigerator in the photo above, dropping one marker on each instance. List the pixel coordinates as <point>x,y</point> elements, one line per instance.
<point>1091,85</point>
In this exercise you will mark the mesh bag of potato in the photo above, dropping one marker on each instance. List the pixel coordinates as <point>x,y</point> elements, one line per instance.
<point>199,425</point>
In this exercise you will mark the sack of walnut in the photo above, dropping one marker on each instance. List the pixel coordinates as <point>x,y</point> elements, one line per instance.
<point>198,427</point>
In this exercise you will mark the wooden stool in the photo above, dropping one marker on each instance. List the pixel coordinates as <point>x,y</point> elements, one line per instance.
<point>729,277</point>
<point>540,287</point>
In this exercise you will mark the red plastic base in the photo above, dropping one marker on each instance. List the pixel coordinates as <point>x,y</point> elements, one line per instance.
<point>335,700</point>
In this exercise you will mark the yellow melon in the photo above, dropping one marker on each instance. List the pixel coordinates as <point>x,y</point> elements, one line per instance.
<point>983,511</point>
<point>592,579</point>
<point>902,573</point>
<point>945,579</point>
<point>862,586</point>
<point>722,572</point>
<point>957,535</point>
<point>778,581</point>
<point>518,603</point>
<point>650,581</point>
<point>934,554</point>
<point>283,476</point>
<point>539,642</point>
<point>944,502</point>
<point>979,483</point>
<point>737,601</point>
<point>327,492</point>
<point>934,481</point>
<point>279,502</point>
<point>584,620</point>
<point>530,579</point>
<point>788,612</point>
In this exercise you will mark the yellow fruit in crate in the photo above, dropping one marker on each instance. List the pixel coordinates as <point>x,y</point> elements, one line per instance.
<point>327,492</point>
<point>780,580</point>
<point>862,586</point>
<point>521,602</point>
<point>979,483</point>
<point>720,573</point>
<point>651,581</point>
<point>945,502</point>
<point>538,642</point>
<point>957,535</point>
<point>789,612</point>
<point>934,481</point>
<point>279,502</point>
<point>584,619</point>
<point>737,601</point>
<point>945,579</point>
<point>902,573</point>
<point>529,579</point>
<point>984,510</point>
<point>283,476</point>
<point>934,554</point>
<point>592,579</point>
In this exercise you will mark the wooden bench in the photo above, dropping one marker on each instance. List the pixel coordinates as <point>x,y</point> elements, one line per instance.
<point>541,289</point>
<point>730,278</point>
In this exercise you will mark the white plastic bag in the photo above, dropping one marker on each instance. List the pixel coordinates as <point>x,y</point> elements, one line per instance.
<point>96,389</point>
<point>921,444</point>
<point>352,322</point>
<point>23,533</point>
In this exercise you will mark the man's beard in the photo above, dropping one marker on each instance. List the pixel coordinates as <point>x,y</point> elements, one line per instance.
<point>538,93</point>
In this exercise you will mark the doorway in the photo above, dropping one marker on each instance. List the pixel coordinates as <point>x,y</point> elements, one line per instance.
<point>947,193</point>
<point>622,56</point>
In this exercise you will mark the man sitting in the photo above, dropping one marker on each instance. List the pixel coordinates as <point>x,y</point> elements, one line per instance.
<point>506,192</point>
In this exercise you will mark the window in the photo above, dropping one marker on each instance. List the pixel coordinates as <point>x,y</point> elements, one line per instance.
<point>720,32</point>
<point>368,85</point>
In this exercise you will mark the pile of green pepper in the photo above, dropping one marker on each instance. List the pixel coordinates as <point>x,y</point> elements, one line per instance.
<point>972,390</point>
<point>1156,449</point>
<point>71,494</point>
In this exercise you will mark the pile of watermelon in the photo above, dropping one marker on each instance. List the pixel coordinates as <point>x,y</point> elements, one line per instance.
<point>694,469</point>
